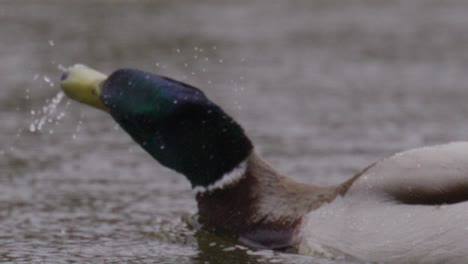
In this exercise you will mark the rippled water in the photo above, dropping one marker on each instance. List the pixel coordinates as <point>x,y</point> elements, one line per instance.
<point>323,88</point>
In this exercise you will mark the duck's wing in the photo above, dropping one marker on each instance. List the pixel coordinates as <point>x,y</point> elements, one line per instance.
<point>427,176</point>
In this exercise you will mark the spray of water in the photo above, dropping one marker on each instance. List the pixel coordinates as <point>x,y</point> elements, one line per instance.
<point>47,113</point>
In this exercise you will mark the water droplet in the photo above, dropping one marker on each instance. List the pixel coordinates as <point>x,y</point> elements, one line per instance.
<point>51,43</point>
<point>62,68</point>
<point>32,127</point>
<point>60,116</point>
<point>162,147</point>
<point>177,50</point>
<point>176,102</point>
<point>229,249</point>
<point>220,60</point>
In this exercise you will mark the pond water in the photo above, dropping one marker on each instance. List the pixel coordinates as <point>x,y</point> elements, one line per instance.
<point>323,88</point>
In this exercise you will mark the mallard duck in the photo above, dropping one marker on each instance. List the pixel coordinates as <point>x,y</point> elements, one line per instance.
<point>409,208</point>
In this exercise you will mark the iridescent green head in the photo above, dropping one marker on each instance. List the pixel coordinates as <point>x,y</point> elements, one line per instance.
<point>173,121</point>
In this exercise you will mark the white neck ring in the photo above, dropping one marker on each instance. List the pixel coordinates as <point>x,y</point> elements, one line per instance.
<point>227,179</point>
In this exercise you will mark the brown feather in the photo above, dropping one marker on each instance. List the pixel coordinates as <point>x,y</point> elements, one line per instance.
<point>264,208</point>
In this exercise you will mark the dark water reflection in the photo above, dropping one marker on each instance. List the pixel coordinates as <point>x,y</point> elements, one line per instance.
<point>323,87</point>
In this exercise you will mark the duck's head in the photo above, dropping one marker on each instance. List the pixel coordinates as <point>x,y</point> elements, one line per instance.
<point>173,121</point>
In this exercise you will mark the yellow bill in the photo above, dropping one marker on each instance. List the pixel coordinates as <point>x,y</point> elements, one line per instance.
<point>82,84</point>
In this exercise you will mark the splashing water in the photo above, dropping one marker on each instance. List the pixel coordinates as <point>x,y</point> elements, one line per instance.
<point>47,113</point>
<point>78,126</point>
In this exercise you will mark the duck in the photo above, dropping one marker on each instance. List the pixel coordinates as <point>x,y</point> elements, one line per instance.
<point>411,207</point>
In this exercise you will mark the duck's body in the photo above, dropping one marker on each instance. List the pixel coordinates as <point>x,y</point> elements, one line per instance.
<point>410,208</point>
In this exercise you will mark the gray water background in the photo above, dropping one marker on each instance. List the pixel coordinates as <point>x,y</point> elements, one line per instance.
<point>323,88</point>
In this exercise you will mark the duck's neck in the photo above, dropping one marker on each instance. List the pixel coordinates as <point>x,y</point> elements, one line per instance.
<point>262,208</point>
